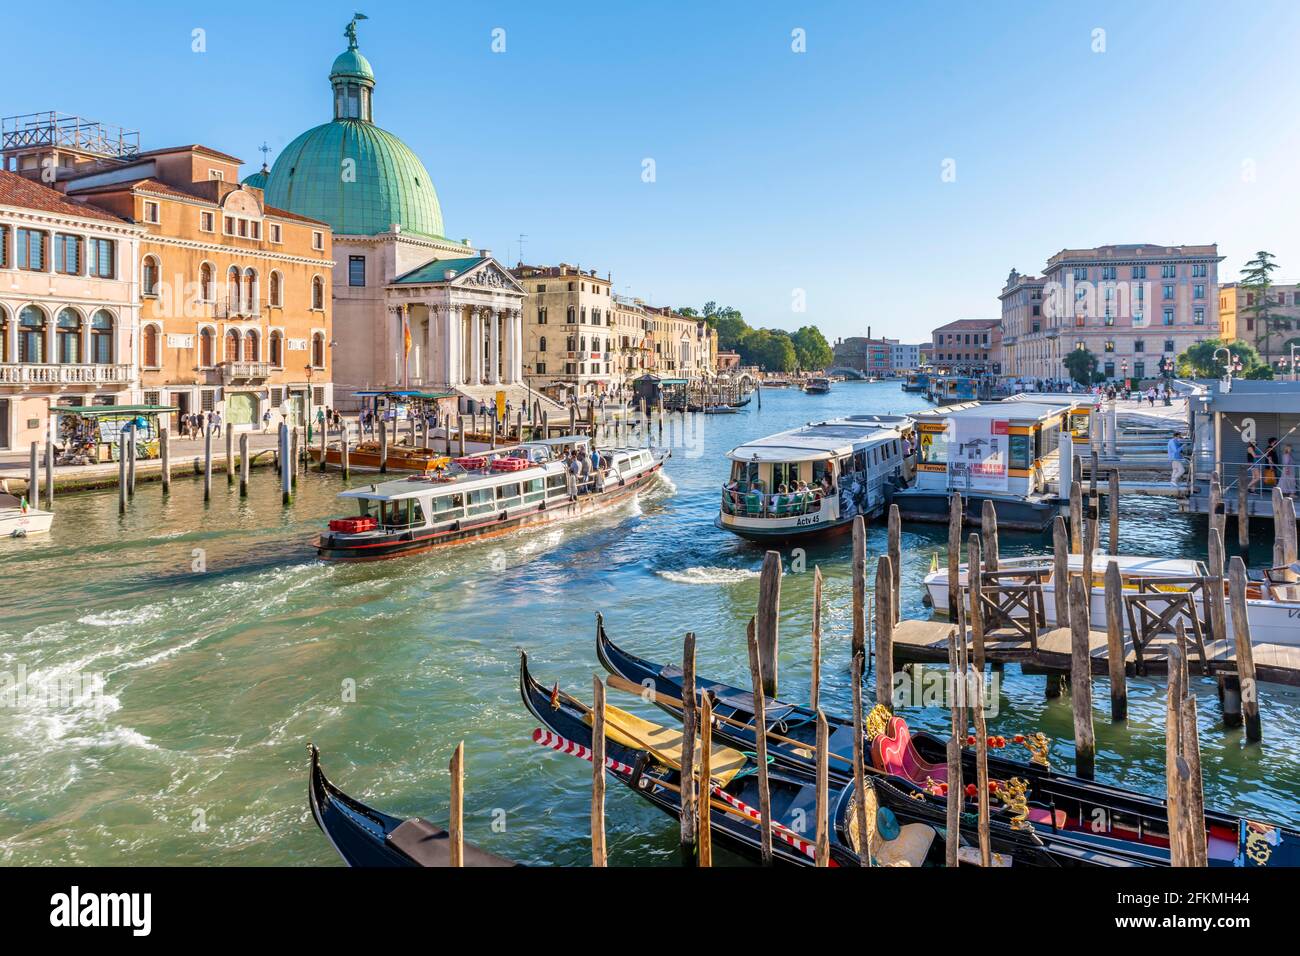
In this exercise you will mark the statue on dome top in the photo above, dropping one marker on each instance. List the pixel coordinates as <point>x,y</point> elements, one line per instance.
<point>350,31</point>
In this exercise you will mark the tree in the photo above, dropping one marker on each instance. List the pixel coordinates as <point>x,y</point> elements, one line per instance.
<point>1082,366</point>
<point>688,311</point>
<point>811,348</point>
<point>1257,283</point>
<point>1199,361</point>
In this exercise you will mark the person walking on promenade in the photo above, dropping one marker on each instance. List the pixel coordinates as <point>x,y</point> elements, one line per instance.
<point>266,421</point>
<point>1287,481</point>
<point>1176,467</point>
<point>1254,466</point>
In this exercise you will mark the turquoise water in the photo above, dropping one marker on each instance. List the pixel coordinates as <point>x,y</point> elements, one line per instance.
<point>214,680</point>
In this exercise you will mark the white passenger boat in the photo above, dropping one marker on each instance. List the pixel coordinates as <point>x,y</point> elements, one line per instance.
<point>485,495</point>
<point>993,451</point>
<point>813,479</point>
<point>1274,607</point>
<point>18,520</point>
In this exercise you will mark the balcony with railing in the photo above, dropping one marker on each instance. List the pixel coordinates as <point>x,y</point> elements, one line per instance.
<point>244,372</point>
<point>64,374</point>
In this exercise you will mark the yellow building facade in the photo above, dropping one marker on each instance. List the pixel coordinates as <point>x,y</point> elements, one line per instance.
<point>235,295</point>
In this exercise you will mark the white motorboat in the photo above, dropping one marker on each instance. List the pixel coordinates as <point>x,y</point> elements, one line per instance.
<point>18,521</point>
<point>1274,607</point>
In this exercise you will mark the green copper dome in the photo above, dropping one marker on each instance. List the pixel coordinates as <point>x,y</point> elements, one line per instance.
<point>350,173</point>
<point>257,179</point>
<point>352,63</point>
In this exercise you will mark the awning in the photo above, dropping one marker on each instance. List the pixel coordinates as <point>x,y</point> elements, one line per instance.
<point>100,411</point>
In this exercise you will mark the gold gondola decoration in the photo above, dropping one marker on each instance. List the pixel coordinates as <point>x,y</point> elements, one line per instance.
<point>877,721</point>
<point>1038,745</point>
<point>1013,794</point>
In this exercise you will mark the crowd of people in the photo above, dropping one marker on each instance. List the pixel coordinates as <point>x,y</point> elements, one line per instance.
<point>1274,465</point>
<point>797,498</point>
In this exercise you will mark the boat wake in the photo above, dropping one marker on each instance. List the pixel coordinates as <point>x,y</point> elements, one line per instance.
<point>699,575</point>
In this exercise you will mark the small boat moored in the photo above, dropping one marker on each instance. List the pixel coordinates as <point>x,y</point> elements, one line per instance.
<point>18,519</point>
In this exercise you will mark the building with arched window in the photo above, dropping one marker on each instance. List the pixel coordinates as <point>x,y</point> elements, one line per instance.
<point>69,307</point>
<point>222,272</point>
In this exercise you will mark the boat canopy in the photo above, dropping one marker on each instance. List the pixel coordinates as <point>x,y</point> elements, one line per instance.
<point>1019,411</point>
<point>820,441</point>
<point>104,411</point>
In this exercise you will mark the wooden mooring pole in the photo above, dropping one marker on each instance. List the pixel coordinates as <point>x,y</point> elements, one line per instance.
<point>244,464</point>
<point>383,447</point>
<point>769,619</point>
<point>599,856</point>
<point>896,557</point>
<point>230,455</point>
<point>121,473</point>
<point>974,592</point>
<point>822,844</point>
<point>884,633</point>
<point>49,472</point>
<point>1076,518</point>
<point>286,466</point>
<point>956,737</point>
<point>704,825</point>
<point>955,514</point>
<point>816,637</point>
<point>760,744</point>
<point>1243,509</point>
<point>1085,740</point>
<point>456,812</point>
<point>1112,508</point>
<point>34,478</point>
<point>989,535</point>
<point>1245,651</point>
<point>690,729</point>
<point>859,640</point>
<point>207,462</point>
<point>1115,642</point>
<point>859,760</point>
<point>1061,570</point>
<point>165,456</point>
<point>981,762</point>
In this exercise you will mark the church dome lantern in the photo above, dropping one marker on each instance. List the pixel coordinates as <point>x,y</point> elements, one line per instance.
<point>360,179</point>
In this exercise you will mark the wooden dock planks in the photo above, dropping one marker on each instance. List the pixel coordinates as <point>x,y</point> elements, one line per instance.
<point>918,641</point>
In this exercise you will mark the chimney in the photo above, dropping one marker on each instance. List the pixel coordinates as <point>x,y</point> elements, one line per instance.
<point>868,331</point>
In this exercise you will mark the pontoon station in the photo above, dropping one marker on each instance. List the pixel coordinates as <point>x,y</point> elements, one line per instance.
<point>1002,452</point>
<point>917,382</point>
<point>486,495</point>
<point>814,479</point>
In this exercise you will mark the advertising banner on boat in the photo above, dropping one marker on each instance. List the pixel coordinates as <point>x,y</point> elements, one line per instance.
<point>977,454</point>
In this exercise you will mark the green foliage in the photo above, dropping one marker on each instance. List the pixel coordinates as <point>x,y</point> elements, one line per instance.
<point>1259,372</point>
<point>774,350</point>
<point>1199,361</point>
<point>811,348</point>
<point>1082,366</point>
<point>1257,280</point>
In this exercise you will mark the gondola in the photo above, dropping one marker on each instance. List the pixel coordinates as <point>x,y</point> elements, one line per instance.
<point>644,756</point>
<point>1074,816</point>
<point>364,836</point>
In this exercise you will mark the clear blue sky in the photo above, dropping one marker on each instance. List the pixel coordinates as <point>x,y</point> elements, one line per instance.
<point>775,170</point>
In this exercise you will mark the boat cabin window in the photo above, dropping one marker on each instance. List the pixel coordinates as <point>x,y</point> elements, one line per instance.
<point>404,513</point>
<point>860,459</point>
<point>934,448</point>
<point>744,474</point>
<point>507,492</point>
<point>1018,451</point>
<point>448,506</point>
<point>534,490</point>
<point>556,485</point>
<point>481,501</point>
<point>785,475</point>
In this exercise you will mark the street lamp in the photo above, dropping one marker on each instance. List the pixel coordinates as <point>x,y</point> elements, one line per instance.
<point>309,371</point>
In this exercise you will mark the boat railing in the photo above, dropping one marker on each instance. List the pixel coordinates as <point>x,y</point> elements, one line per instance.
<point>754,504</point>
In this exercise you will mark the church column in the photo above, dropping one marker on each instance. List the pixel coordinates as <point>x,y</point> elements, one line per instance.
<point>494,348</point>
<point>429,370</point>
<point>517,346</point>
<point>476,348</point>
<point>450,370</point>
<point>508,348</point>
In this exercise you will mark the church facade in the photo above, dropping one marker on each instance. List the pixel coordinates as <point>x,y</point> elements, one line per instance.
<point>413,309</point>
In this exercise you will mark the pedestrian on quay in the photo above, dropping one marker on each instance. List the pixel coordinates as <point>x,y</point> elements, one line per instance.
<point>1176,467</point>
<point>1254,464</point>
<point>1287,481</point>
<point>266,421</point>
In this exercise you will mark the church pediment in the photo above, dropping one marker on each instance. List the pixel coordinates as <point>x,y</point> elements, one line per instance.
<point>488,275</point>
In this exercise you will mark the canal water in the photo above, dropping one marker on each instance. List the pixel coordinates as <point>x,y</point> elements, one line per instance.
<point>223,647</point>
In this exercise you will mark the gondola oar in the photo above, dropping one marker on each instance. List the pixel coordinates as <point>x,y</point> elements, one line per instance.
<point>622,683</point>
